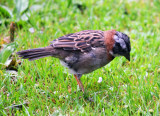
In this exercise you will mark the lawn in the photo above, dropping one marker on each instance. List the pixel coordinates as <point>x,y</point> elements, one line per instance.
<point>44,86</point>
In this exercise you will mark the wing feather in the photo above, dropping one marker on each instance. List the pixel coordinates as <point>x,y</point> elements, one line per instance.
<point>83,41</point>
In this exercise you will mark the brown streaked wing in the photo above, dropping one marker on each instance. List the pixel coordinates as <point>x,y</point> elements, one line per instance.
<point>83,40</point>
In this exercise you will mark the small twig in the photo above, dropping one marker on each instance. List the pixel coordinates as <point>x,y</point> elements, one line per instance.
<point>19,106</point>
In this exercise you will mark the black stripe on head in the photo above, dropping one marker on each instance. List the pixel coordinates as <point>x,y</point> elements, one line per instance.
<point>127,41</point>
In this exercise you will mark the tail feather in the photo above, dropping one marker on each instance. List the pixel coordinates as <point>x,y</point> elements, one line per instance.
<point>33,54</point>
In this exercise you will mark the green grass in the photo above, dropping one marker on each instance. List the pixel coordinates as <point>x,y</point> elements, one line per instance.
<point>127,88</point>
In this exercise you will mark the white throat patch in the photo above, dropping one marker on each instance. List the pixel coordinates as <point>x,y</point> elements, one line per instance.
<point>111,52</point>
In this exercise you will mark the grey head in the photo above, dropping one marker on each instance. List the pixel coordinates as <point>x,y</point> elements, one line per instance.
<point>122,45</point>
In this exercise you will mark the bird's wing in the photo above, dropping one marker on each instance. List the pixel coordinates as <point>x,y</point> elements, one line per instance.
<point>83,41</point>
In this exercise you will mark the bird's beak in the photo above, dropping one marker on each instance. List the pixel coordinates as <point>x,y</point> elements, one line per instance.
<point>127,56</point>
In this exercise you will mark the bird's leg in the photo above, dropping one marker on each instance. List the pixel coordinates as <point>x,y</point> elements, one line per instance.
<point>78,76</point>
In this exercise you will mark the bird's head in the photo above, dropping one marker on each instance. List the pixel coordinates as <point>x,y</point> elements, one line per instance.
<point>121,45</point>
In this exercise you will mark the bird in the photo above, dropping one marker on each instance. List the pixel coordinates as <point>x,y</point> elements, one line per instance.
<point>85,51</point>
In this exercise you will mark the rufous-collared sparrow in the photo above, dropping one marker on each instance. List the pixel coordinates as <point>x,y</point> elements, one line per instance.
<point>84,51</point>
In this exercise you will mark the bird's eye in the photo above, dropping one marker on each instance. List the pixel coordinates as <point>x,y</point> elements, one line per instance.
<point>118,45</point>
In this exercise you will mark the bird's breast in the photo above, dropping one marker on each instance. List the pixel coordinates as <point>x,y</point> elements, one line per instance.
<point>83,63</point>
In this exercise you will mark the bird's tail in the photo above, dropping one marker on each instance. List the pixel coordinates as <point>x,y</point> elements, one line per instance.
<point>33,54</point>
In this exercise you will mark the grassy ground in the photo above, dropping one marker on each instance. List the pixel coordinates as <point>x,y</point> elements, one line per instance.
<point>126,89</point>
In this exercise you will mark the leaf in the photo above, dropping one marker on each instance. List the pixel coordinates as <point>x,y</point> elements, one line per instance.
<point>158,85</point>
<point>69,3</point>
<point>25,16</point>
<point>5,11</point>
<point>36,7</point>
<point>21,6</point>
<point>6,53</point>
